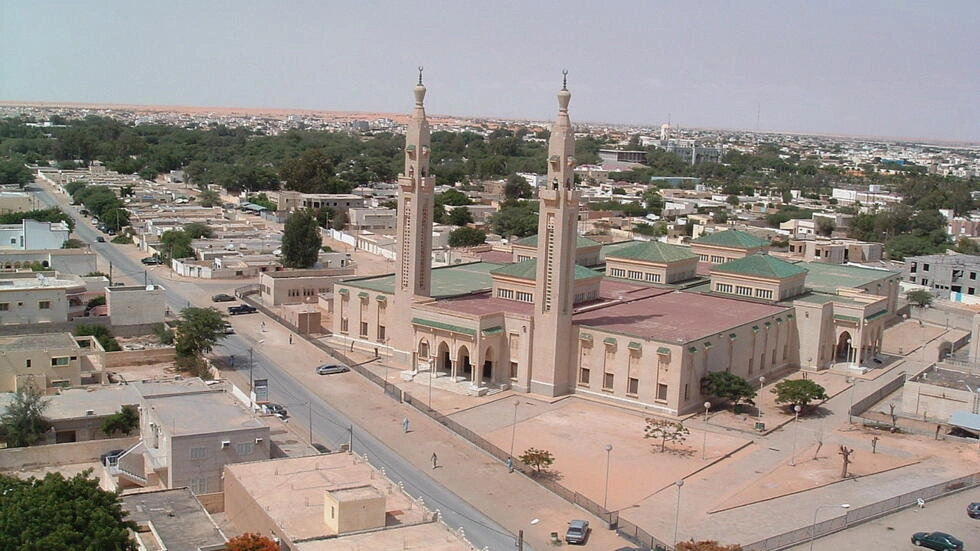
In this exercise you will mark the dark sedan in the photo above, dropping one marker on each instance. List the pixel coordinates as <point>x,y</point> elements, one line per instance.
<point>973,509</point>
<point>940,541</point>
<point>221,297</point>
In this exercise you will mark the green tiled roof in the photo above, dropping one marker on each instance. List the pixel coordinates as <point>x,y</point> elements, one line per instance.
<point>449,281</point>
<point>492,330</point>
<point>663,350</point>
<point>444,326</point>
<point>580,242</point>
<point>760,265</point>
<point>609,340</point>
<point>652,251</point>
<point>826,278</point>
<point>731,238</point>
<point>528,269</point>
<point>633,345</point>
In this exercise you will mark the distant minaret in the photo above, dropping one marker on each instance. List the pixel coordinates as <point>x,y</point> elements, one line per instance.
<point>415,204</point>
<point>551,368</point>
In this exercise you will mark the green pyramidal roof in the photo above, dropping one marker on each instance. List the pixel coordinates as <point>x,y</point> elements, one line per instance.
<point>580,242</point>
<point>652,251</point>
<point>731,238</point>
<point>760,265</point>
<point>528,269</point>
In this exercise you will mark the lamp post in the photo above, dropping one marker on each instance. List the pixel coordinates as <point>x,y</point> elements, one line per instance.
<point>758,408</point>
<point>605,492</point>
<point>813,527</point>
<point>796,431</point>
<point>677,509</point>
<point>513,428</point>
<point>251,381</point>
<point>704,438</point>
<point>854,384</point>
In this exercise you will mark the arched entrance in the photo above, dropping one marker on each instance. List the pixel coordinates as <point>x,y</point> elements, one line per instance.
<point>464,368</point>
<point>945,350</point>
<point>487,374</point>
<point>843,352</point>
<point>444,362</point>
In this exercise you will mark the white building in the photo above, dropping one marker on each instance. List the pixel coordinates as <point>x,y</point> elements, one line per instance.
<point>33,235</point>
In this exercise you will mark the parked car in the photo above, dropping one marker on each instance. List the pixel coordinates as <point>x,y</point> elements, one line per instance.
<point>578,532</point>
<point>222,297</point>
<point>242,309</point>
<point>109,458</point>
<point>278,410</point>
<point>329,369</point>
<point>152,260</point>
<point>973,509</point>
<point>940,541</point>
<point>100,239</point>
<point>228,329</point>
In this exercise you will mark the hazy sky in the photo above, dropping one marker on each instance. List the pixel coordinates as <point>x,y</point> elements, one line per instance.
<point>886,68</point>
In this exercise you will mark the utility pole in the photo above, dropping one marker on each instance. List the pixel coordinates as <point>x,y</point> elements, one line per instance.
<point>310,404</point>
<point>520,540</point>
<point>251,381</point>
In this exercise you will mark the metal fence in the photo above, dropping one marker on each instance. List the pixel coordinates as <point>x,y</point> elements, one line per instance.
<point>864,514</point>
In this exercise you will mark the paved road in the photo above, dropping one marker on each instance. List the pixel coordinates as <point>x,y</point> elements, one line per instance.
<point>329,426</point>
<point>894,532</point>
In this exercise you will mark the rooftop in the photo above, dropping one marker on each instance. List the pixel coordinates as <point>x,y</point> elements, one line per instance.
<point>676,316</point>
<point>184,407</point>
<point>292,491</point>
<point>652,251</point>
<point>178,519</point>
<point>730,238</point>
<point>949,378</point>
<point>448,281</point>
<point>528,269</point>
<point>580,242</point>
<point>760,265</point>
<point>827,278</point>
<point>41,341</point>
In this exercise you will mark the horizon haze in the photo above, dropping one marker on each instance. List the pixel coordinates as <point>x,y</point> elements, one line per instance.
<point>868,69</point>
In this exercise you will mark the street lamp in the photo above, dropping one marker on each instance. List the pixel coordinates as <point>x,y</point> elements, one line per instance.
<point>813,527</point>
<point>677,509</point>
<point>513,429</point>
<point>758,407</point>
<point>707,407</point>
<point>854,384</point>
<point>605,492</point>
<point>704,437</point>
<point>796,431</point>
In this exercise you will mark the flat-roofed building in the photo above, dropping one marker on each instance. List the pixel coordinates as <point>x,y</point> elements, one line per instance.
<point>28,298</point>
<point>173,520</point>
<point>946,275</point>
<point>334,502</point>
<point>188,433</point>
<point>33,235</point>
<point>49,360</point>
<point>136,304</point>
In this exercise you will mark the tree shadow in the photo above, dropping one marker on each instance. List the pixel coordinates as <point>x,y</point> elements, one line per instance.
<point>546,476</point>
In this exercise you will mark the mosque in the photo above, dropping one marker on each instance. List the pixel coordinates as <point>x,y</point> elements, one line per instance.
<point>637,323</point>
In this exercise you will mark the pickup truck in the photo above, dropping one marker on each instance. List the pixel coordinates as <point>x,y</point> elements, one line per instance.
<point>242,309</point>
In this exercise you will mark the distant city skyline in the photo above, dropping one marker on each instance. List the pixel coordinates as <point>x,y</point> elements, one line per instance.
<point>901,70</point>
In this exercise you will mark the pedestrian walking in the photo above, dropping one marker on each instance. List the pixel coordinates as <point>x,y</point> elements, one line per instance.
<point>263,327</point>
<point>290,338</point>
<point>405,424</point>
<point>510,464</point>
<point>435,460</point>
<point>938,428</point>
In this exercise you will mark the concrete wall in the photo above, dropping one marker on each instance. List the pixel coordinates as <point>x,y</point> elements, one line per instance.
<point>135,305</point>
<point>69,261</point>
<point>60,454</point>
<point>24,306</point>
<point>922,399</point>
<point>125,358</point>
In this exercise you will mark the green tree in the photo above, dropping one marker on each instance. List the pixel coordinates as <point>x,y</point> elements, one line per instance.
<point>460,216</point>
<point>517,188</point>
<point>301,240</point>
<point>798,392</point>
<point>467,237</point>
<point>116,218</point>
<point>251,542</point>
<point>519,218</point>
<point>175,244</point>
<point>198,330</point>
<point>61,513</point>
<point>23,422</point>
<point>73,244</point>
<point>100,332</point>
<point>263,200</point>
<point>124,421</point>
<point>965,245</point>
<point>197,230</point>
<point>663,430</point>
<point>209,198</point>
<point>13,172</point>
<point>454,198</point>
<point>311,172</point>
<point>919,297</point>
<point>539,460</point>
<point>730,387</point>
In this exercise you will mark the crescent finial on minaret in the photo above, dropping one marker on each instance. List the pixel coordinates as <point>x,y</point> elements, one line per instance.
<point>420,75</point>
<point>564,79</point>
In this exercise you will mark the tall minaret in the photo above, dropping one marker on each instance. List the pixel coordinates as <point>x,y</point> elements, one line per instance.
<point>551,368</point>
<point>416,201</point>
